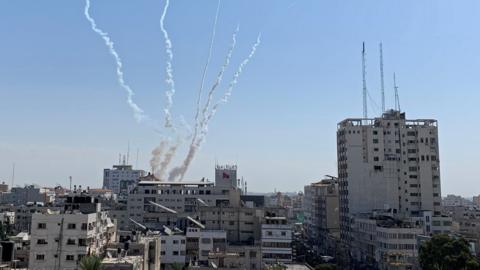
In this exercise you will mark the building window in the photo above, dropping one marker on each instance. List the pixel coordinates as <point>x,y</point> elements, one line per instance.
<point>40,257</point>
<point>70,257</point>
<point>42,226</point>
<point>82,242</point>
<point>84,226</point>
<point>71,226</point>
<point>41,242</point>
<point>175,253</point>
<point>70,241</point>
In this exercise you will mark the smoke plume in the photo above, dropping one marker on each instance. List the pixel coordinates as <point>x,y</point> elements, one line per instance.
<point>157,156</point>
<point>205,69</point>
<point>219,77</point>
<point>137,111</point>
<point>169,70</point>
<point>180,171</point>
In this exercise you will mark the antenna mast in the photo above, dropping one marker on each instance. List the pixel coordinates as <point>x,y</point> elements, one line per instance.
<point>128,152</point>
<point>381,78</point>
<point>397,99</point>
<point>13,175</point>
<point>136,161</point>
<point>365,112</point>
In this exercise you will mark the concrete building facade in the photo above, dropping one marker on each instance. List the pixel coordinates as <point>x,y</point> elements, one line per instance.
<point>276,240</point>
<point>60,239</point>
<point>121,179</point>
<point>322,215</point>
<point>388,163</point>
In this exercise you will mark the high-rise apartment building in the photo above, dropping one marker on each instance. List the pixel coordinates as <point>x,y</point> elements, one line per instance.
<point>121,179</point>
<point>388,163</point>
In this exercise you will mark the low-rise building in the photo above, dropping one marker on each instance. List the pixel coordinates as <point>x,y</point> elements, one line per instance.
<point>60,239</point>
<point>322,215</point>
<point>3,187</point>
<point>383,241</point>
<point>200,243</point>
<point>276,240</point>
<point>27,194</point>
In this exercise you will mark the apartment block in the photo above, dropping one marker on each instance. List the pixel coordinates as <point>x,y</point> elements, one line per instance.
<point>60,239</point>
<point>276,240</point>
<point>387,163</point>
<point>322,215</point>
<point>121,179</point>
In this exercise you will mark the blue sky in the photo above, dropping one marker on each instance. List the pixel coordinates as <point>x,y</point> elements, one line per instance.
<point>62,112</point>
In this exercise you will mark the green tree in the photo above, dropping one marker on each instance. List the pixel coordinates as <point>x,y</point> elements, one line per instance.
<point>177,266</point>
<point>91,263</point>
<point>443,252</point>
<point>3,232</point>
<point>326,266</point>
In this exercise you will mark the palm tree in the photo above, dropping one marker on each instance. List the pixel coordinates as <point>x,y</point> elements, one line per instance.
<point>177,266</point>
<point>91,263</point>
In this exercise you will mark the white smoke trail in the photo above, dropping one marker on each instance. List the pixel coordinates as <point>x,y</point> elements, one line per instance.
<point>167,160</point>
<point>219,76</point>
<point>179,172</point>
<point>172,150</point>
<point>205,69</point>
<point>169,70</point>
<point>137,111</point>
<point>231,85</point>
<point>157,156</point>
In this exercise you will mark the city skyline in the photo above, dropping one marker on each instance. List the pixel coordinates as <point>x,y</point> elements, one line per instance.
<point>64,113</point>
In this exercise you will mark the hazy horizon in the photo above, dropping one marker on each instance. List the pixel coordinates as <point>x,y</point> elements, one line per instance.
<point>63,113</point>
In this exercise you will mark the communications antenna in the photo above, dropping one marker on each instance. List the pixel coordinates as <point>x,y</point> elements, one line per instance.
<point>128,153</point>
<point>13,175</point>
<point>382,84</point>
<point>397,98</point>
<point>365,112</point>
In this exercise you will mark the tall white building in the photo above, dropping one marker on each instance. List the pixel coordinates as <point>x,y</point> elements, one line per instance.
<point>388,163</point>
<point>121,179</point>
<point>60,239</point>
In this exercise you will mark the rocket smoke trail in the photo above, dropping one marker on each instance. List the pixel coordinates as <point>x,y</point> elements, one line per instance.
<point>205,69</point>
<point>167,159</point>
<point>157,155</point>
<point>156,162</point>
<point>219,77</point>
<point>172,150</point>
<point>231,85</point>
<point>179,172</point>
<point>169,70</point>
<point>137,111</point>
